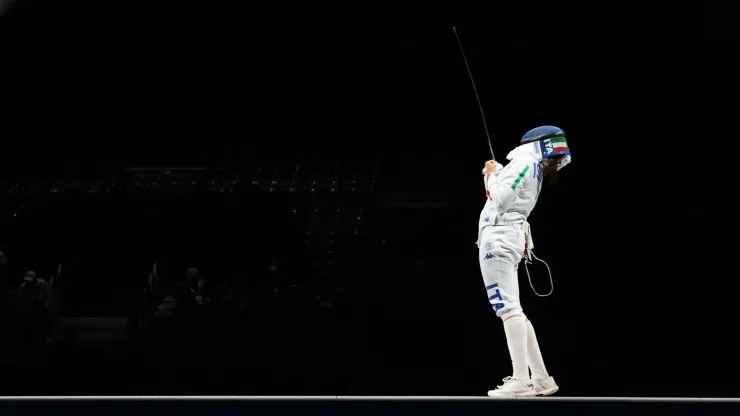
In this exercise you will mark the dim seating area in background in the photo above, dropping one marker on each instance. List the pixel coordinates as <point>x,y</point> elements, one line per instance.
<point>279,177</point>
<point>131,243</point>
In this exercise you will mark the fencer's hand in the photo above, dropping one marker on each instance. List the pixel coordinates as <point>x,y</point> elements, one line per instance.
<point>491,166</point>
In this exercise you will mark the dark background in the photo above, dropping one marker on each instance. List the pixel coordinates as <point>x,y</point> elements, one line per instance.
<point>638,233</point>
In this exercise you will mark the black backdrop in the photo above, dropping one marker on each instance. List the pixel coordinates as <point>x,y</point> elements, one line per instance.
<point>634,234</point>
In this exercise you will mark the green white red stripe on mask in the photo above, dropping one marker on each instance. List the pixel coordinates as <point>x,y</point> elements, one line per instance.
<point>554,146</point>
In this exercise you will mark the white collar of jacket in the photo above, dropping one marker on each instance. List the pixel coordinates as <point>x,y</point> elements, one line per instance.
<point>527,150</point>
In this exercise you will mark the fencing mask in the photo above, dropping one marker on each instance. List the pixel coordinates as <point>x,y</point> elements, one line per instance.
<point>550,143</point>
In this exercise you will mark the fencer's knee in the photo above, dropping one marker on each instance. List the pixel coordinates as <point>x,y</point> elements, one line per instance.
<point>510,313</point>
<point>516,315</point>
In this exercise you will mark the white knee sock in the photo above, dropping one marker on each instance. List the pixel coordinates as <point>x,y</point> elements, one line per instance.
<point>516,338</point>
<point>534,356</point>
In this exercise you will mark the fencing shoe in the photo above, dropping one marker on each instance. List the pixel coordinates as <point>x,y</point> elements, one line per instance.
<point>513,388</point>
<point>545,386</point>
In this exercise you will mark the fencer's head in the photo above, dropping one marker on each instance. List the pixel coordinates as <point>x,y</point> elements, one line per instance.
<point>30,276</point>
<point>192,275</point>
<point>549,166</point>
<point>549,142</point>
<point>275,264</point>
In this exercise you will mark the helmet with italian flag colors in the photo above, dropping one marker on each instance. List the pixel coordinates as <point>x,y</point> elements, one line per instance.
<point>550,141</point>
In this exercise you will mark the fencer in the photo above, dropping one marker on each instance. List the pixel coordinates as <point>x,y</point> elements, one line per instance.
<point>504,237</point>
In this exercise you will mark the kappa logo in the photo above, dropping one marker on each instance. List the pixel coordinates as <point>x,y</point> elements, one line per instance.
<point>489,256</point>
<point>488,219</point>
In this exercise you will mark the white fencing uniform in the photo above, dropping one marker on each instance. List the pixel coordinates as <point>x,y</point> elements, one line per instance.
<point>504,239</point>
<point>511,194</point>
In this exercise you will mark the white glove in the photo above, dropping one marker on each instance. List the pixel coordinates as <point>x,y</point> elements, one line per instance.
<point>498,168</point>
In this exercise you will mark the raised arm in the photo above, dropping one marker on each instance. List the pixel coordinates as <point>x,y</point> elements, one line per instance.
<point>503,185</point>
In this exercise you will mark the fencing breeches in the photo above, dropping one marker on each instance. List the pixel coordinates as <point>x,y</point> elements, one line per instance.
<point>500,250</point>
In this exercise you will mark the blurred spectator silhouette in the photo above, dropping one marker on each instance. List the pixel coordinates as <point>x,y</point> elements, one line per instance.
<point>183,324</point>
<point>189,300</point>
<point>142,308</point>
<point>242,294</point>
<point>192,292</point>
<point>5,276</point>
<point>35,312</point>
<point>7,279</point>
<point>6,302</point>
<point>285,294</point>
<point>278,280</point>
